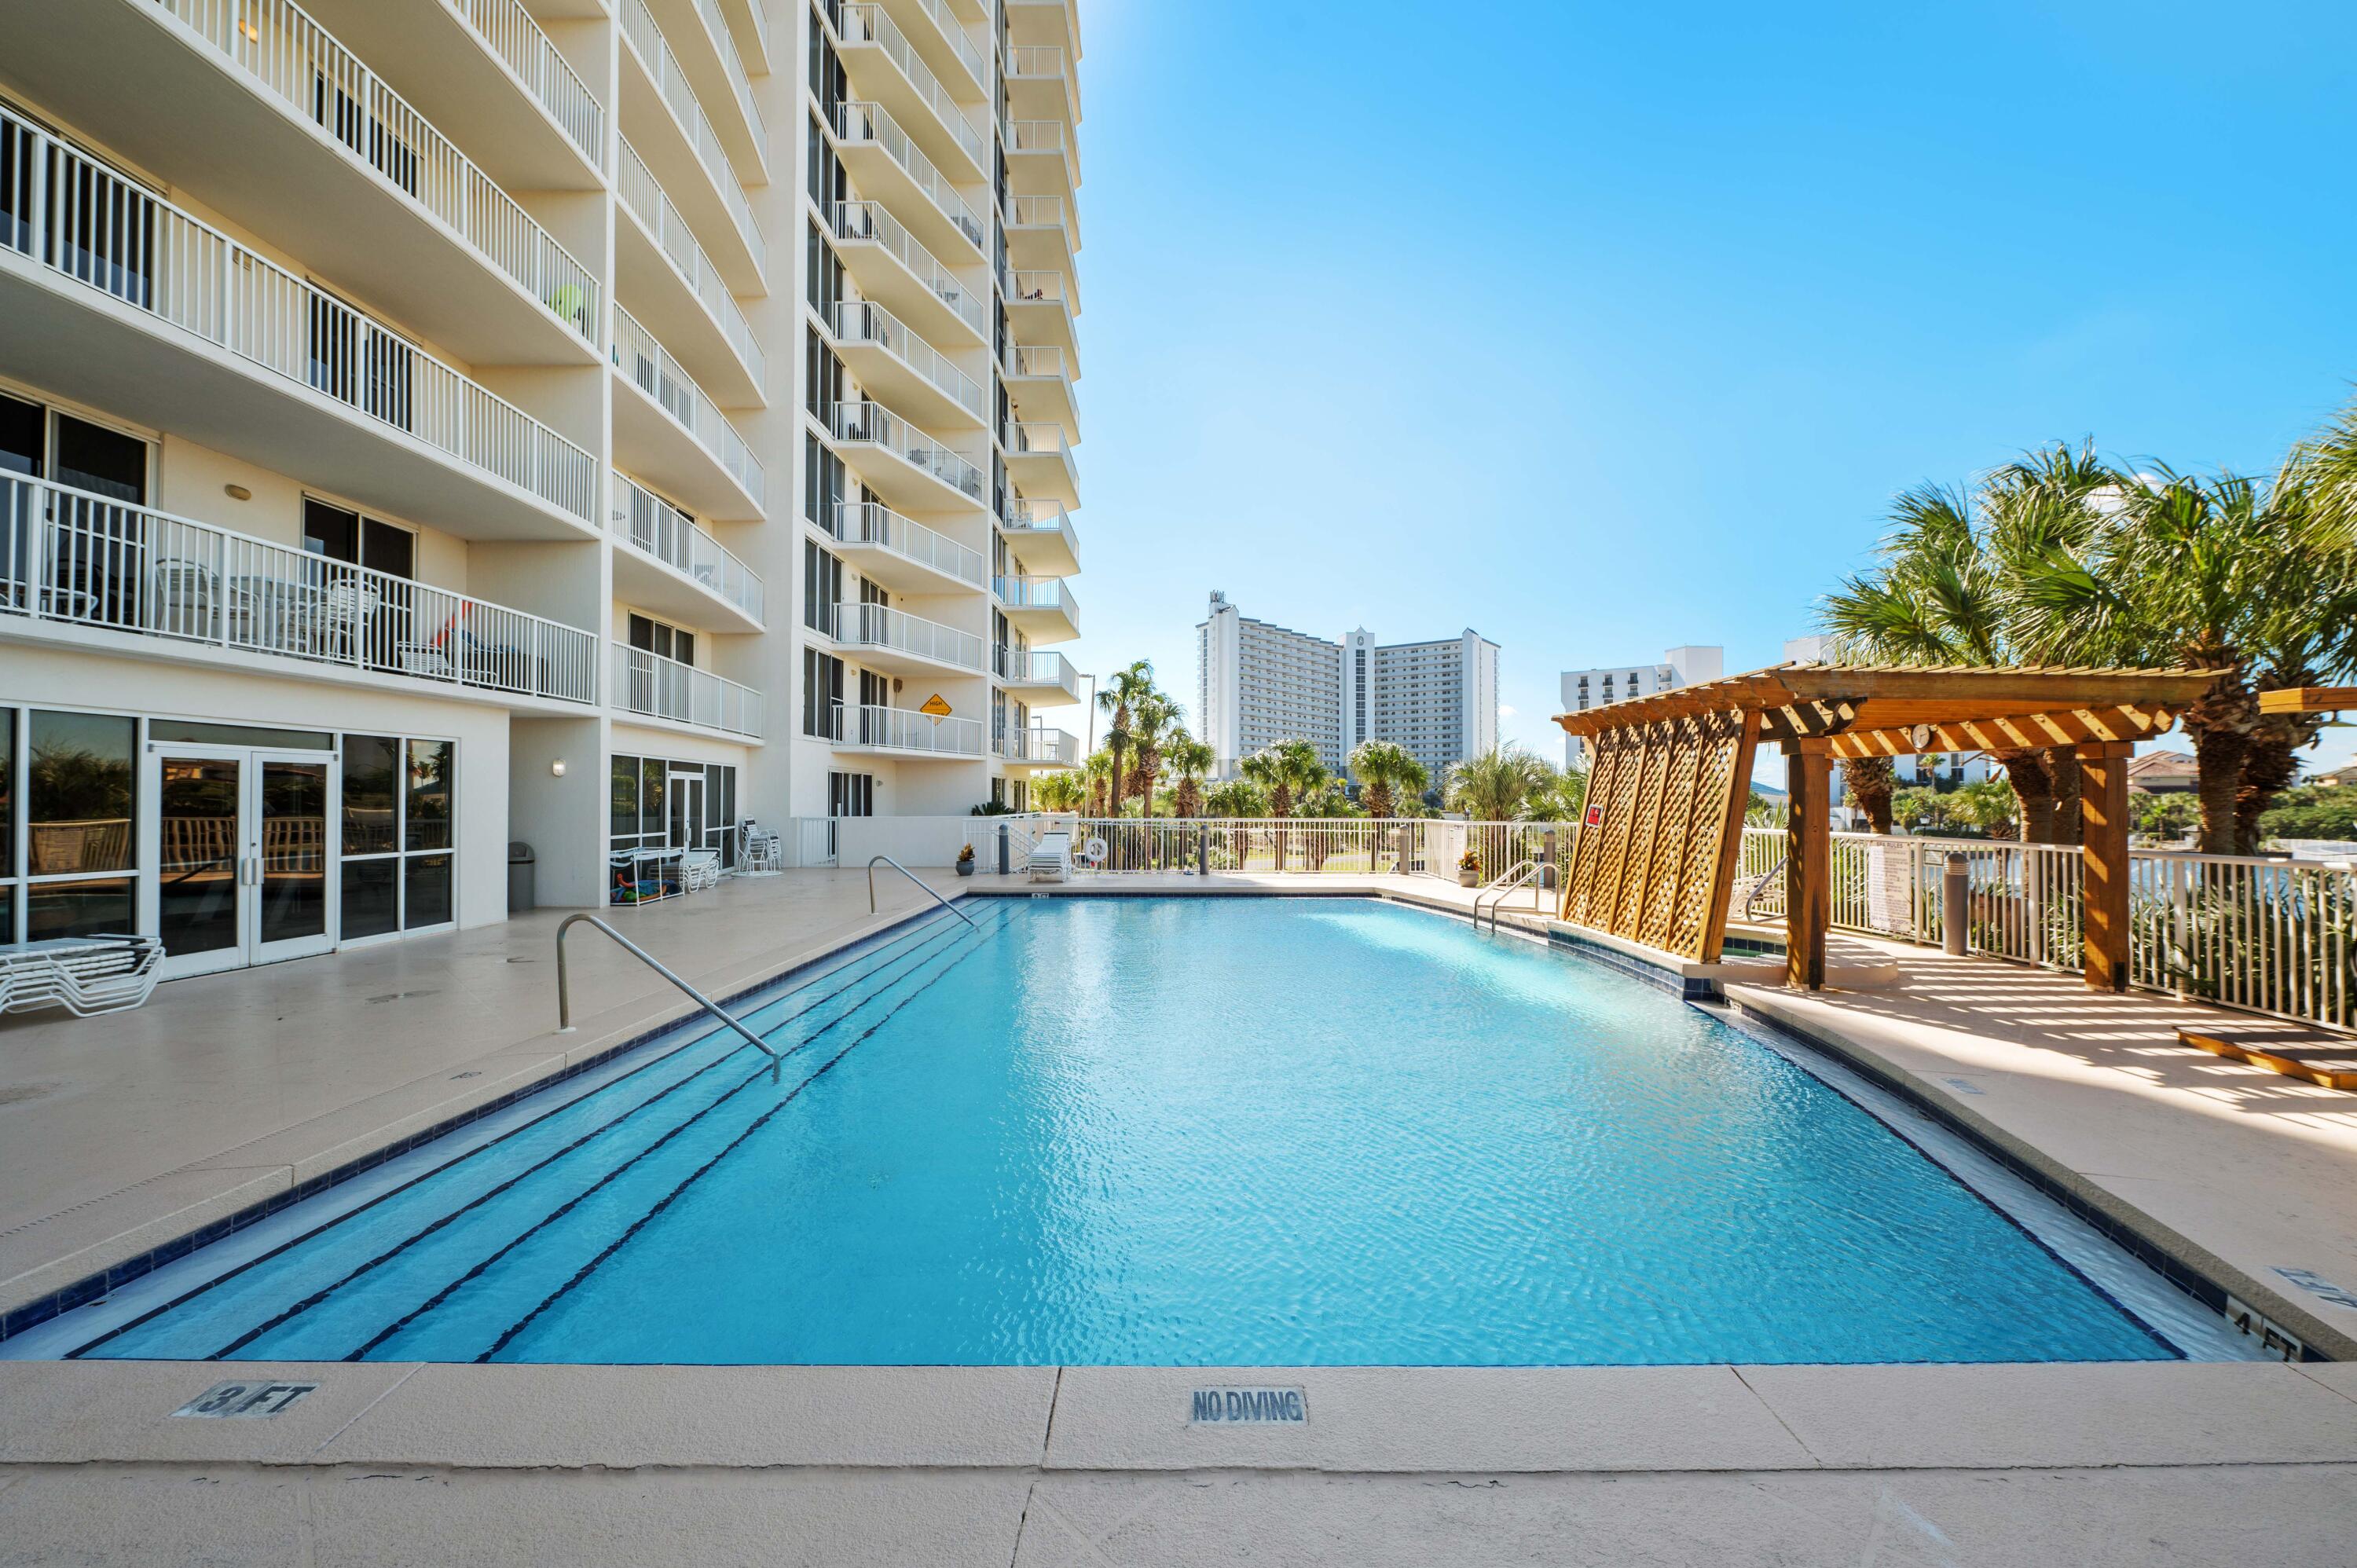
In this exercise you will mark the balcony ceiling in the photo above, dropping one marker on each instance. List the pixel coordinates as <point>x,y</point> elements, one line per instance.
<point>647,287</point>
<point>656,447</point>
<point>188,114</point>
<point>64,337</point>
<point>663,589</point>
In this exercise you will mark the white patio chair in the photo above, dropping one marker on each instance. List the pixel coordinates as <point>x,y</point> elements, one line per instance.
<point>760,852</point>
<point>699,869</point>
<point>1051,858</point>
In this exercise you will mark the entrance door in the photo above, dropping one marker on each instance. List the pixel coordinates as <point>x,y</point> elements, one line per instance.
<point>242,857</point>
<point>687,818</point>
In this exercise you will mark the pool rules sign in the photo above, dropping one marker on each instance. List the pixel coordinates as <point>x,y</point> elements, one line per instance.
<point>1247,1407</point>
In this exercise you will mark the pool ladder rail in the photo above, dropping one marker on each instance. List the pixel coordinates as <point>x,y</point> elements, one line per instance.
<point>1516,876</point>
<point>564,994</point>
<point>888,859</point>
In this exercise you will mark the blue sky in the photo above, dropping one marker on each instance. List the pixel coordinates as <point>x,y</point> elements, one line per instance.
<point>1605,328</point>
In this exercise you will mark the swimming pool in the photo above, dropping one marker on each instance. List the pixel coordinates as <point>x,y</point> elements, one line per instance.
<point>1181,1131</point>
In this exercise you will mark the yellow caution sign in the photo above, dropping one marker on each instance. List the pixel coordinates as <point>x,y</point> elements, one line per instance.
<point>935,706</point>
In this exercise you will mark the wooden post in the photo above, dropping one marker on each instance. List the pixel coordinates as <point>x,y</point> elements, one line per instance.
<point>1730,842</point>
<point>2103,862</point>
<point>1808,862</point>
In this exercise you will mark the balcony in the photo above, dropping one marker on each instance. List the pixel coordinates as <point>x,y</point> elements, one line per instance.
<point>1039,381</point>
<point>940,34</point>
<point>888,165</point>
<point>904,731</point>
<point>654,687</point>
<point>748,22</point>
<point>1041,534</point>
<point>1043,607</point>
<point>1043,234</point>
<point>675,569</point>
<point>1041,83</point>
<point>1039,747</point>
<point>680,295</point>
<point>897,642</point>
<point>1039,460</point>
<point>664,119</point>
<point>1045,24</point>
<point>1041,159</point>
<point>85,569</point>
<point>668,430</point>
<point>1043,679</point>
<point>884,68</point>
<point>905,556</point>
<point>485,73</point>
<point>125,303</point>
<point>260,110</point>
<point>896,272</point>
<point>909,470</point>
<point>910,373</point>
<point>1040,307</point>
<point>706,51</point>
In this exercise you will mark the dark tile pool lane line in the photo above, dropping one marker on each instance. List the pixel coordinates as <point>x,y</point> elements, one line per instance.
<point>922,941</point>
<point>91,1287</point>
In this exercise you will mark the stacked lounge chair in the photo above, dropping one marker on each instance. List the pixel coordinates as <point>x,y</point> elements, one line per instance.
<point>85,975</point>
<point>1051,858</point>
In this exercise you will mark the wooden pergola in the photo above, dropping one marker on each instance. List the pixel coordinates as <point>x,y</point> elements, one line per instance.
<point>1655,858</point>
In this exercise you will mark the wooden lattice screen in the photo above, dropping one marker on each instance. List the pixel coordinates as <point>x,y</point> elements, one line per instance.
<point>1655,861</point>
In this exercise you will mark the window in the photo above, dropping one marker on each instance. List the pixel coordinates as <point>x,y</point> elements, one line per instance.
<point>8,871</point>
<point>79,808</point>
<point>821,587</point>
<point>644,791</point>
<point>822,692</point>
<point>399,835</point>
<point>850,794</point>
<point>825,285</point>
<point>661,638</point>
<point>824,375</point>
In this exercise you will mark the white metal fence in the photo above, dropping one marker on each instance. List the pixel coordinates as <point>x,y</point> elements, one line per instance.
<point>671,81</point>
<point>83,219</point>
<point>876,727</point>
<point>872,523</point>
<point>865,22</point>
<point>874,423</point>
<point>650,368</point>
<point>867,220</point>
<point>646,683</point>
<point>733,65</point>
<point>647,199</point>
<point>653,526</point>
<point>276,43</point>
<point>69,555</point>
<point>857,123</point>
<point>1031,667</point>
<point>1338,846</point>
<point>879,626</point>
<point>516,38</point>
<point>1037,594</point>
<point>859,321</point>
<point>1039,744</point>
<point>953,30</point>
<point>2272,936</point>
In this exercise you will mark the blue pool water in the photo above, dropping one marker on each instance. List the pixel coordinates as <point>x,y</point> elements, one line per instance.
<point>1195,1132</point>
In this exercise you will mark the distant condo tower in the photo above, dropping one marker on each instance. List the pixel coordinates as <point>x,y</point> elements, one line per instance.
<point>1258,683</point>
<point>1619,682</point>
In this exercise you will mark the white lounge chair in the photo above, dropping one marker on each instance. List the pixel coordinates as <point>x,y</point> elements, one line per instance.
<point>85,975</point>
<point>699,869</point>
<point>1051,858</point>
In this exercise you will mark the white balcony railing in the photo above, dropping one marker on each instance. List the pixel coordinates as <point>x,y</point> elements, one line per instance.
<point>663,688</point>
<point>879,626</point>
<point>1036,593</point>
<point>639,28</point>
<point>1054,747</point>
<point>1031,667</point>
<point>512,35</point>
<point>652,371</point>
<point>1048,137</point>
<point>655,528</point>
<point>874,424</point>
<point>645,197</point>
<point>904,729</point>
<point>857,220</point>
<point>872,523</point>
<point>276,43</point>
<point>953,30</point>
<point>1037,438</point>
<point>867,24</point>
<point>1038,359</point>
<point>1035,288</point>
<point>868,124</point>
<point>733,65</point>
<point>1039,212</point>
<point>859,321</point>
<point>71,556</point>
<point>1022,516</point>
<point>1036,62</point>
<point>81,218</point>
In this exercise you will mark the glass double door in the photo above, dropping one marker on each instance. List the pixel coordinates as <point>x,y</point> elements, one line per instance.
<point>244,860</point>
<point>687,818</point>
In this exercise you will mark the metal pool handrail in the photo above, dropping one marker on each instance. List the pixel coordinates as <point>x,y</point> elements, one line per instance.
<point>1521,872</point>
<point>564,999</point>
<point>911,876</point>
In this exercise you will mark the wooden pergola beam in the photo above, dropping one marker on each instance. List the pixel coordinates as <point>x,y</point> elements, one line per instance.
<point>2056,688</point>
<point>2308,700</point>
<point>2080,727</point>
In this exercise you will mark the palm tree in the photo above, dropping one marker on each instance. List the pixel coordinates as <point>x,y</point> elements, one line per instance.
<point>1190,759</point>
<point>1061,791</point>
<point>1561,797</point>
<point>1153,725</point>
<point>1119,698</point>
<point>1238,797</point>
<point>1097,768</point>
<point>1286,771</point>
<point>1492,787</point>
<point>1870,781</point>
<point>1385,771</point>
<point>2333,481</point>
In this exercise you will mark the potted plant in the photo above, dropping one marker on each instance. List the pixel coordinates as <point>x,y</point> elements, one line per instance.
<point>1468,870</point>
<point>965,861</point>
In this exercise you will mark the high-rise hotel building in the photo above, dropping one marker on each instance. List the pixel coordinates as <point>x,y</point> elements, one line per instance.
<point>426,424</point>
<point>1257,683</point>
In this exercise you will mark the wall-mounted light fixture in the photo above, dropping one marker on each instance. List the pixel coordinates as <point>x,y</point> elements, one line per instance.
<point>237,492</point>
<point>556,768</point>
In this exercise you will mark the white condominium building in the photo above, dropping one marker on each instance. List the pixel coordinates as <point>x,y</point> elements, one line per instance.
<point>1617,683</point>
<point>1259,684</point>
<point>424,426</point>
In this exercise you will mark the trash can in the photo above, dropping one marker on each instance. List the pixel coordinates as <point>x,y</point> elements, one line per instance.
<point>521,872</point>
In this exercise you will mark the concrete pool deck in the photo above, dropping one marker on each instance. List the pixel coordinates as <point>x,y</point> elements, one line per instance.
<point>118,1134</point>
